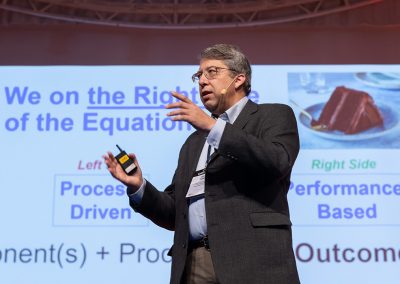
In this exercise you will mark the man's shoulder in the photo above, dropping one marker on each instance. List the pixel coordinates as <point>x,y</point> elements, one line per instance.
<point>273,108</point>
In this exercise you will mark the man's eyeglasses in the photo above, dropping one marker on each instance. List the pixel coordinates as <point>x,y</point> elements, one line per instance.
<point>210,73</point>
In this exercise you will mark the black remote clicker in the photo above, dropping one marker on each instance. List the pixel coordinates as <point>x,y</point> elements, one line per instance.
<point>126,162</point>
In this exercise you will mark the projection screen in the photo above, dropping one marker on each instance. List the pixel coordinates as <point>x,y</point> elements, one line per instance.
<point>66,220</point>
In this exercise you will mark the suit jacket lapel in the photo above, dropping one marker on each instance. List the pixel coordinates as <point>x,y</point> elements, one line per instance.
<point>245,114</point>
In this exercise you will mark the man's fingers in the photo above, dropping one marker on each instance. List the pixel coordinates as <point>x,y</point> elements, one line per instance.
<point>181,117</point>
<point>176,112</point>
<point>108,158</point>
<point>176,105</point>
<point>181,97</point>
<point>179,114</point>
<point>111,163</point>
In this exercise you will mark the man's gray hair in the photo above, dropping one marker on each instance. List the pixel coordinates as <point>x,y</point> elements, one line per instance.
<point>233,58</point>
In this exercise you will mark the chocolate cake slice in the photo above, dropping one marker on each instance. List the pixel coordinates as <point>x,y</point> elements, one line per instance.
<point>350,111</point>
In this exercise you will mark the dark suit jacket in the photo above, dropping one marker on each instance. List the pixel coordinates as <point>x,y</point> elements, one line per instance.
<point>247,181</point>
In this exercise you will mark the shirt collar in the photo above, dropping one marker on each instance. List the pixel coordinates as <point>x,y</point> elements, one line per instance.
<point>233,112</point>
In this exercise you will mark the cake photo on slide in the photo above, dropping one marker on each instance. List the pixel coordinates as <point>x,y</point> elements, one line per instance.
<point>350,111</point>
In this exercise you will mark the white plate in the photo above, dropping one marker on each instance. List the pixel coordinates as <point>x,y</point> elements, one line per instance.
<point>379,80</point>
<point>393,75</point>
<point>390,123</point>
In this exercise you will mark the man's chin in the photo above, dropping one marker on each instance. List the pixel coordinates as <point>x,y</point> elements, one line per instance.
<point>209,106</point>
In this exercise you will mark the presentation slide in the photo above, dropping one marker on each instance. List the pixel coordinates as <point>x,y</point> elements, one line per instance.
<point>64,219</point>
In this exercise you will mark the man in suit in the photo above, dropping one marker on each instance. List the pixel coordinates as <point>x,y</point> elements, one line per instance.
<point>227,202</point>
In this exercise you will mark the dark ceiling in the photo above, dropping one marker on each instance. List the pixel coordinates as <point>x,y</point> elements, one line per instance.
<point>189,14</point>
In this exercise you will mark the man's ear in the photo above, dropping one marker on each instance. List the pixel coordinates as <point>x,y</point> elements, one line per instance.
<point>239,81</point>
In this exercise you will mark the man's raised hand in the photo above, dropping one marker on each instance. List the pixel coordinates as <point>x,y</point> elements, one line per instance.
<point>186,110</point>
